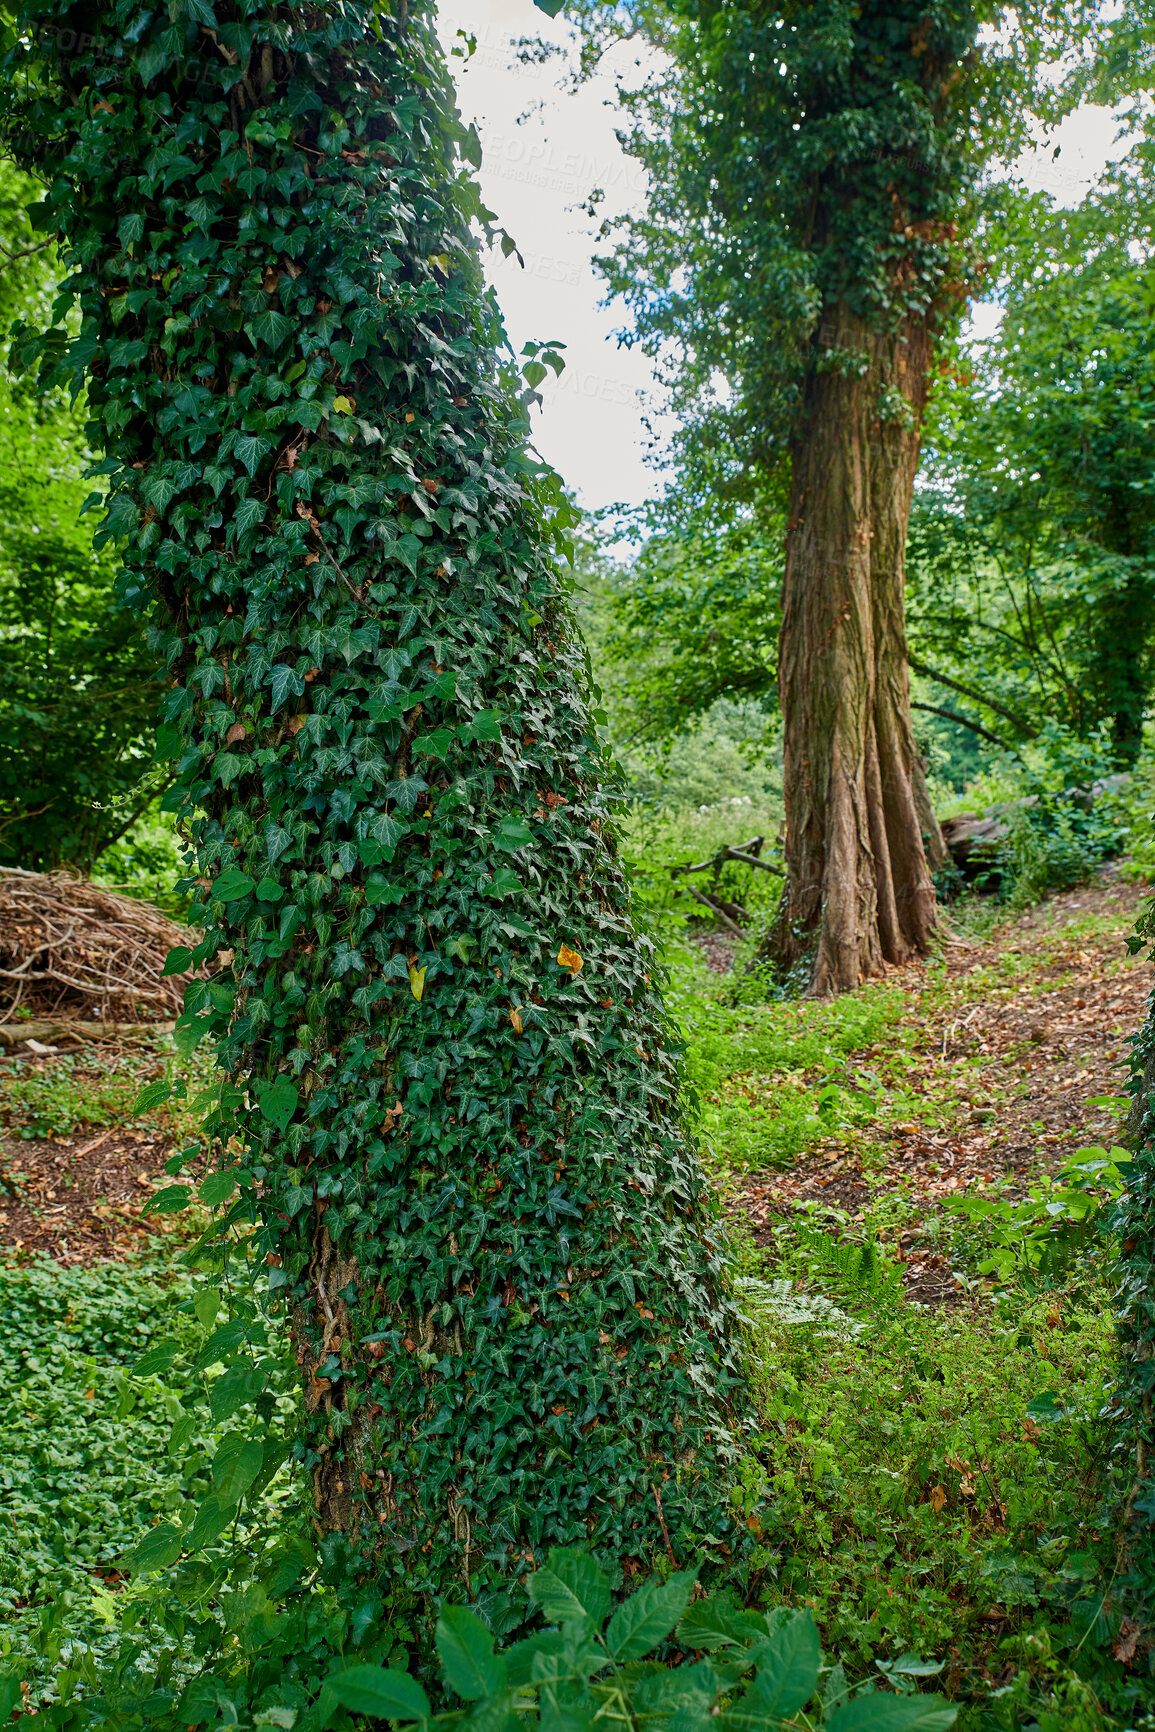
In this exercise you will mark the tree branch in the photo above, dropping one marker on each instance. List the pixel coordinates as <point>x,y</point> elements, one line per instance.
<point>969,692</point>
<point>963,722</point>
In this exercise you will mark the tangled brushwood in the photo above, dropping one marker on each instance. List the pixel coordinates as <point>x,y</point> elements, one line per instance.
<point>70,948</point>
<point>445,1056</point>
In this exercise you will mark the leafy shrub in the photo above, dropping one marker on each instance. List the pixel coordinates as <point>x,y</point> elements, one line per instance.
<point>1066,819</point>
<point>1062,1215</point>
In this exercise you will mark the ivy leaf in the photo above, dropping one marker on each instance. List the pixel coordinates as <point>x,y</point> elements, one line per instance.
<point>551,8</point>
<point>232,885</point>
<point>178,961</point>
<point>248,514</point>
<point>278,1101</point>
<point>511,834</point>
<point>465,1649</point>
<point>380,892</point>
<point>504,883</point>
<point>485,725</point>
<point>416,982</point>
<point>270,328</point>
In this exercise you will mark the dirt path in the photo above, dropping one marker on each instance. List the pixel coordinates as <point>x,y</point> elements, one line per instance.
<point>1005,1059</point>
<point>77,1193</point>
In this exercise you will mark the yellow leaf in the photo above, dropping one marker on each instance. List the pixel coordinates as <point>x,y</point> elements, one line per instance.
<point>441,260</point>
<point>515,1018</point>
<point>344,405</point>
<point>568,958</point>
<point>416,981</point>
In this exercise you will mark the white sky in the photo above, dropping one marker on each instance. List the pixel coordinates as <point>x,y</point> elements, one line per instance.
<point>534,176</point>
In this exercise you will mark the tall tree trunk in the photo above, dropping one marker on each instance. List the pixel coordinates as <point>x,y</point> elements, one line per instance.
<point>858,891</point>
<point>466,1163</point>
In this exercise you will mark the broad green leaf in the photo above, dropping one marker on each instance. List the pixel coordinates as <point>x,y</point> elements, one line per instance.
<point>571,1587</point>
<point>157,1549</point>
<point>519,1659</point>
<point>168,1200</point>
<point>504,883</point>
<point>210,1522</point>
<point>268,890</point>
<point>642,1621</point>
<point>218,1188</point>
<point>715,1622</point>
<point>236,1465</point>
<point>465,1649</point>
<point>486,725</point>
<point>158,1358</point>
<point>270,328</point>
<point>152,1095</point>
<point>278,1101</point>
<point>879,1713</point>
<point>788,1674</point>
<point>380,892</point>
<point>380,1693</point>
<point>177,961</point>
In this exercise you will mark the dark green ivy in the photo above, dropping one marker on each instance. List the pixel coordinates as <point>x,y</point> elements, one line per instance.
<point>449,1089</point>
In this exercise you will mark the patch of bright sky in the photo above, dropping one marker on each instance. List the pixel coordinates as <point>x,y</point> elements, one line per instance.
<point>537,174</point>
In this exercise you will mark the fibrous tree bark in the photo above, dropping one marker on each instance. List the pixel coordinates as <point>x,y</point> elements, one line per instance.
<point>859,891</point>
<point>448,1093</point>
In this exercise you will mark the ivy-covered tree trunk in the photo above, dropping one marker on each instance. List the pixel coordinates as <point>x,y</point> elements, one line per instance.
<point>859,891</point>
<point>445,1059</point>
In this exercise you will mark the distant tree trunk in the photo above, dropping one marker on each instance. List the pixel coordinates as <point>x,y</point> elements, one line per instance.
<point>1121,659</point>
<point>858,891</point>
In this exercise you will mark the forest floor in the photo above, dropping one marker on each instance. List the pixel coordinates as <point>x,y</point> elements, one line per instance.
<point>896,1168</point>
<point>1007,1057</point>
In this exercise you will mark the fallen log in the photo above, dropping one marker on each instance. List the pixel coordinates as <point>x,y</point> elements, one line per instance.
<point>15,1033</point>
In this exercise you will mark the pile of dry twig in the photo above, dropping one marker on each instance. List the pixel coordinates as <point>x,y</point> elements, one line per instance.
<point>69,948</point>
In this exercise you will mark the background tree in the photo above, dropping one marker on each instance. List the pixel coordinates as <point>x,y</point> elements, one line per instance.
<point>442,1046</point>
<point>808,239</point>
<point>78,688</point>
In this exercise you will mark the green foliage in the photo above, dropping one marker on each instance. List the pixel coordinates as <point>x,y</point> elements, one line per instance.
<point>770,1079</point>
<point>53,1103</point>
<point>83,1450</point>
<point>78,689</point>
<point>1130,1406</point>
<point>583,1669</point>
<point>800,158</point>
<point>1063,1216</point>
<point>691,619</point>
<point>931,1481</point>
<point>1031,558</point>
<point>1065,820</point>
<point>444,1061</point>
